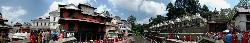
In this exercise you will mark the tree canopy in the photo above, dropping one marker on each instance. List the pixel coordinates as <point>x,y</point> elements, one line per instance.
<point>243,4</point>
<point>132,20</point>
<point>185,8</point>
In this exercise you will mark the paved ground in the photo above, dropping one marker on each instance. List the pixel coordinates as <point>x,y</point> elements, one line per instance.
<point>51,41</point>
<point>132,39</point>
<point>139,39</point>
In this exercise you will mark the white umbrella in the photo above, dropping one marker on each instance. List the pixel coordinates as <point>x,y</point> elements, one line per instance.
<point>226,30</point>
<point>172,22</point>
<point>165,23</point>
<point>178,20</point>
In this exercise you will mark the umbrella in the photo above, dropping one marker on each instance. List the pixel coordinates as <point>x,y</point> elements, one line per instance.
<point>226,30</point>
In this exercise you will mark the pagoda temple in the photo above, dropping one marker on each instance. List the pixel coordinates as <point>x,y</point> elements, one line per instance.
<point>4,29</point>
<point>83,22</point>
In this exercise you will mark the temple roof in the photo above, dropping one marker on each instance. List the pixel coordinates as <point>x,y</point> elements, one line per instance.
<point>18,24</point>
<point>243,10</point>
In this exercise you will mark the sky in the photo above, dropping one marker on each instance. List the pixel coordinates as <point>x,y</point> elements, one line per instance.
<point>26,10</point>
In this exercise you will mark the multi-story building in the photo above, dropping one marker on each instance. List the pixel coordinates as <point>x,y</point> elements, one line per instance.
<point>112,29</point>
<point>114,24</point>
<point>40,24</point>
<point>16,27</point>
<point>50,22</point>
<point>19,27</point>
<point>25,27</point>
<point>124,27</point>
<point>242,19</point>
<point>54,17</point>
<point>83,21</point>
<point>216,23</point>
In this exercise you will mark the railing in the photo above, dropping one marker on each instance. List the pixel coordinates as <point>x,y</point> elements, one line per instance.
<point>183,33</point>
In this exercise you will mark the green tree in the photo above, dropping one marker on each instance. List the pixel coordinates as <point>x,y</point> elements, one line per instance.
<point>132,20</point>
<point>205,13</point>
<point>227,13</point>
<point>179,8</point>
<point>204,8</point>
<point>187,6</point>
<point>231,14</point>
<point>106,13</point>
<point>157,20</point>
<point>183,8</point>
<point>171,11</point>
<point>243,4</point>
<point>192,6</point>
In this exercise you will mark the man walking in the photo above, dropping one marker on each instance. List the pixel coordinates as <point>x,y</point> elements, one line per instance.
<point>228,38</point>
<point>239,36</point>
<point>46,37</point>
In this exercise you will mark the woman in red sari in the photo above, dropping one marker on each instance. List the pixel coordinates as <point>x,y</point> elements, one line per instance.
<point>32,37</point>
<point>245,37</point>
<point>234,37</point>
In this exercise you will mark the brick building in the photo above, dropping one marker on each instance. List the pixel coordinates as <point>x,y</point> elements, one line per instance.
<point>83,21</point>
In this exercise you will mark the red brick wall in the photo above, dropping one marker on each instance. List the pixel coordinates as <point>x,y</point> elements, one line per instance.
<point>78,15</point>
<point>66,25</point>
<point>65,14</point>
<point>76,26</point>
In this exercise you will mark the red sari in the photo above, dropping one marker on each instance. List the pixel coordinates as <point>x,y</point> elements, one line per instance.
<point>189,38</point>
<point>32,38</point>
<point>245,37</point>
<point>234,38</point>
<point>97,41</point>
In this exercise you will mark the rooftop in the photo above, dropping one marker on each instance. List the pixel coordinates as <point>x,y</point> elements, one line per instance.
<point>243,10</point>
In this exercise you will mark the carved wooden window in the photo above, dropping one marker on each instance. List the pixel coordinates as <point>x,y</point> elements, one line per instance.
<point>65,14</point>
<point>248,17</point>
<point>248,25</point>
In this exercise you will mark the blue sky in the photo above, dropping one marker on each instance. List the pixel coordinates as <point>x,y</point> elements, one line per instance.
<point>26,10</point>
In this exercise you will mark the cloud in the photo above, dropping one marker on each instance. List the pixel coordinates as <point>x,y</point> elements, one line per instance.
<point>126,4</point>
<point>150,7</point>
<point>218,4</point>
<point>54,5</point>
<point>76,2</point>
<point>143,21</point>
<point>153,7</point>
<point>142,8</point>
<point>172,1</point>
<point>102,8</point>
<point>13,13</point>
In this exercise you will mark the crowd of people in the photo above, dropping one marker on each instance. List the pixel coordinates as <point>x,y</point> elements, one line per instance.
<point>44,36</point>
<point>230,37</point>
<point>3,37</point>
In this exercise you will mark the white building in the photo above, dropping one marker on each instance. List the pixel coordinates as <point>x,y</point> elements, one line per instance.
<point>50,22</point>
<point>112,29</point>
<point>54,17</point>
<point>40,23</point>
<point>242,19</point>
<point>124,26</point>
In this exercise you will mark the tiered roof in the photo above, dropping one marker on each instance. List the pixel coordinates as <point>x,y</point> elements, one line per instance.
<point>80,7</point>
